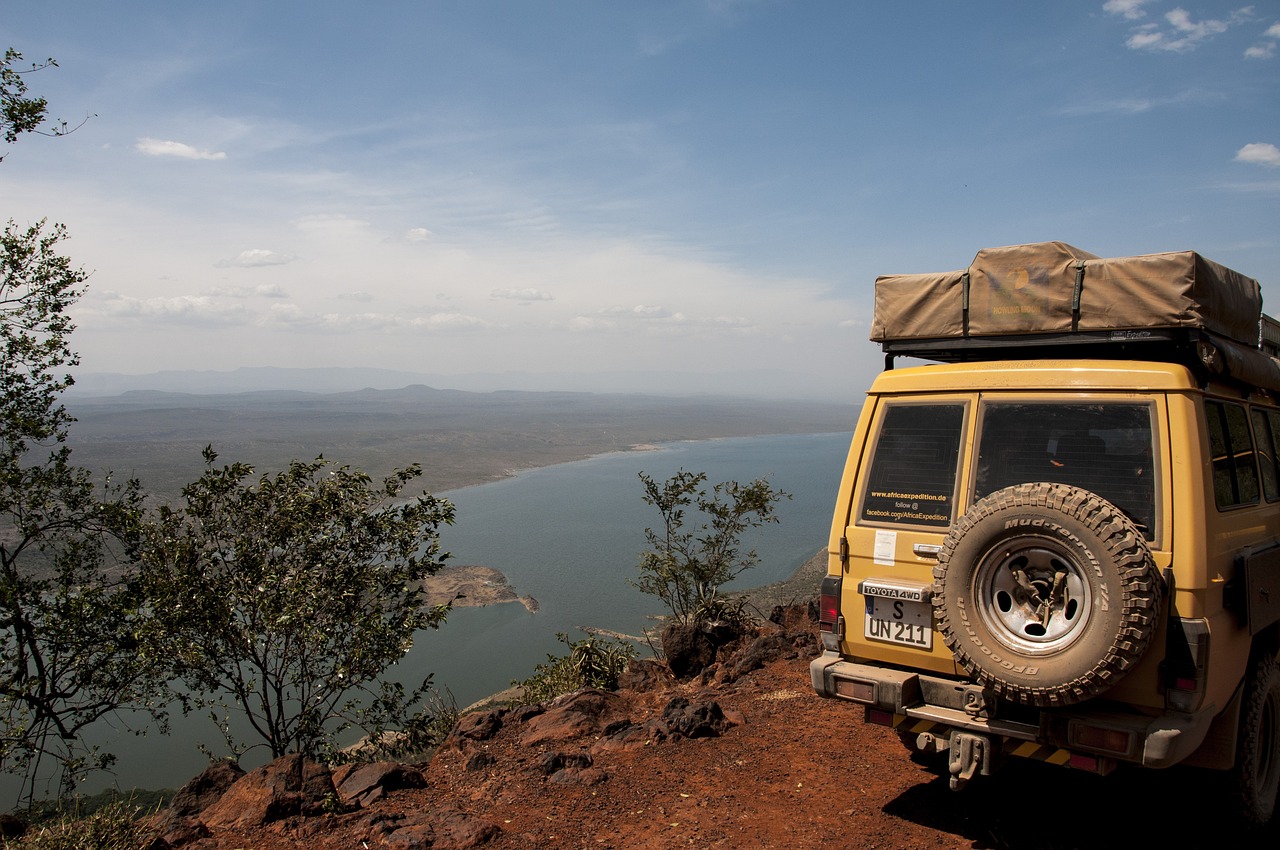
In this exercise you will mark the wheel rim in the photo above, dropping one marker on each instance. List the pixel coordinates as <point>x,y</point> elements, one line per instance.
<point>1032,595</point>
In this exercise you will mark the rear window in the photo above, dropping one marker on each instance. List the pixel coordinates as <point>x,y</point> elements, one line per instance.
<point>913,470</point>
<point>1104,448</point>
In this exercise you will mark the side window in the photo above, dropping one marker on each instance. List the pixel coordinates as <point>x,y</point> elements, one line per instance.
<point>913,466</point>
<point>1235,473</point>
<point>1264,432</point>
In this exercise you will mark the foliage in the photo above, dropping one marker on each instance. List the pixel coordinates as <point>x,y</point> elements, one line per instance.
<point>115,826</point>
<point>70,610</point>
<point>291,595</point>
<point>420,735</point>
<point>593,662</point>
<point>20,113</point>
<point>686,569</point>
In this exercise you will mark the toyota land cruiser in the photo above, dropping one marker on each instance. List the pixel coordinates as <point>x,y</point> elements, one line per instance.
<point>1061,538</point>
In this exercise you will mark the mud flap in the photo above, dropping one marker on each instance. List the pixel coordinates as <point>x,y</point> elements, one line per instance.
<point>970,754</point>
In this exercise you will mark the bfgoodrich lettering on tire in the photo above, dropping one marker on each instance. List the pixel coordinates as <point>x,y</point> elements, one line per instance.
<point>1257,770</point>
<point>1046,593</point>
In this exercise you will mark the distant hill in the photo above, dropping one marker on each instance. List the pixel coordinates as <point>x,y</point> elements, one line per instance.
<point>460,438</point>
<point>755,383</point>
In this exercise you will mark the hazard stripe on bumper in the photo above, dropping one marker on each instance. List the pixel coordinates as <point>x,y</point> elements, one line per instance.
<point>1025,749</point>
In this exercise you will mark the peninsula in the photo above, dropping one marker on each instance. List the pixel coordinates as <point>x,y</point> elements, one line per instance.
<point>473,586</point>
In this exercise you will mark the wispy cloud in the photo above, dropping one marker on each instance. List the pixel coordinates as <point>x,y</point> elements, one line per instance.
<point>1136,105</point>
<point>1179,33</point>
<point>1260,153</point>
<point>292,317</point>
<point>256,258</point>
<point>1130,10</point>
<point>525,294</point>
<point>201,310</point>
<point>266,290</point>
<point>177,150</point>
<point>1266,48</point>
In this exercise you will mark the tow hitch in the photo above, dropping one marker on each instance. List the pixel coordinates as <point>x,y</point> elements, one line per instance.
<point>969,754</point>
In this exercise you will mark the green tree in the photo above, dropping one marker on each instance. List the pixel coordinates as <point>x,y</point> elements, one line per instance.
<point>20,113</point>
<point>686,568</point>
<point>290,595</point>
<point>70,609</point>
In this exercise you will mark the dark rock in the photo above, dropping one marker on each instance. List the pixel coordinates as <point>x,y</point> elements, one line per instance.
<point>550,763</point>
<point>477,726</point>
<point>447,829</point>
<point>178,824</point>
<point>205,789</point>
<point>290,785</point>
<point>525,712</point>
<point>12,826</point>
<point>694,720</point>
<point>585,776</point>
<point>758,653</point>
<point>690,649</point>
<point>585,712</point>
<point>368,783</point>
<point>643,674</point>
<point>481,760</point>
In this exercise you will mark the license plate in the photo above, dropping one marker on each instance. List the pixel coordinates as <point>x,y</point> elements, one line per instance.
<point>899,621</point>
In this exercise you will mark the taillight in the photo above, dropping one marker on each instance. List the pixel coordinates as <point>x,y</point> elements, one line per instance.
<point>829,604</point>
<point>1186,654</point>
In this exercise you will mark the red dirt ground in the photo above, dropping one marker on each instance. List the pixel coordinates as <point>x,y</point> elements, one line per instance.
<point>800,772</point>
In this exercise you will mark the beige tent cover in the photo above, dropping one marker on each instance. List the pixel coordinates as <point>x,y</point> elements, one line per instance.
<point>1031,289</point>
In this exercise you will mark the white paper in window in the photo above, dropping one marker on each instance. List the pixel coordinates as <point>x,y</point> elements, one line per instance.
<point>886,546</point>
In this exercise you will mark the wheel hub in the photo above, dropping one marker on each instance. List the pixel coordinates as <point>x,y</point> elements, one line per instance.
<point>1032,596</point>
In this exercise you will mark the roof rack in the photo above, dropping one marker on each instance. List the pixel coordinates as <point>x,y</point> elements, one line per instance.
<point>1050,300</point>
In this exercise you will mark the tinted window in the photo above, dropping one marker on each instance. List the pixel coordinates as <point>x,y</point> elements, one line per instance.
<point>1104,448</point>
<point>1264,433</point>
<point>1235,475</point>
<point>913,469</point>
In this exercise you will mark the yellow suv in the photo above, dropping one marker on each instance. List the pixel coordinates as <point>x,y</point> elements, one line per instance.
<point>1061,538</point>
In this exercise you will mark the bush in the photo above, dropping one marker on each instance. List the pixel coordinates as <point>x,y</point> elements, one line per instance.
<point>686,568</point>
<point>593,662</point>
<point>115,826</point>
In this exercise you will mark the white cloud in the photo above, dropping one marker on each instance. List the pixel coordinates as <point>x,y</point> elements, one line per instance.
<point>292,317</point>
<point>266,290</point>
<point>1180,33</point>
<point>1267,48</point>
<point>640,311</point>
<point>179,150</point>
<point>1259,153</point>
<point>525,294</point>
<point>184,309</point>
<point>1130,10</point>
<point>447,322</point>
<point>358,295</point>
<point>419,234</point>
<point>657,319</point>
<point>256,258</point>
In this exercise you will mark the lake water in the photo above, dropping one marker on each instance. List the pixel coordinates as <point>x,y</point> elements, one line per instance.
<point>570,536</point>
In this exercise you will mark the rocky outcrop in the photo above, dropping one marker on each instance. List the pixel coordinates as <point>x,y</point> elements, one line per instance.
<point>578,740</point>
<point>293,789</point>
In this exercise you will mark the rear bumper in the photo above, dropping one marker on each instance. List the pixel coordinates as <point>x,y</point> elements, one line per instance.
<point>918,702</point>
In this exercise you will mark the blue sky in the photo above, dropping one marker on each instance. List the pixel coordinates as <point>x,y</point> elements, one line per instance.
<point>588,186</point>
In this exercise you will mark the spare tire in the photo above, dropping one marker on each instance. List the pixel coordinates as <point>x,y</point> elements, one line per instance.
<point>1046,593</point>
